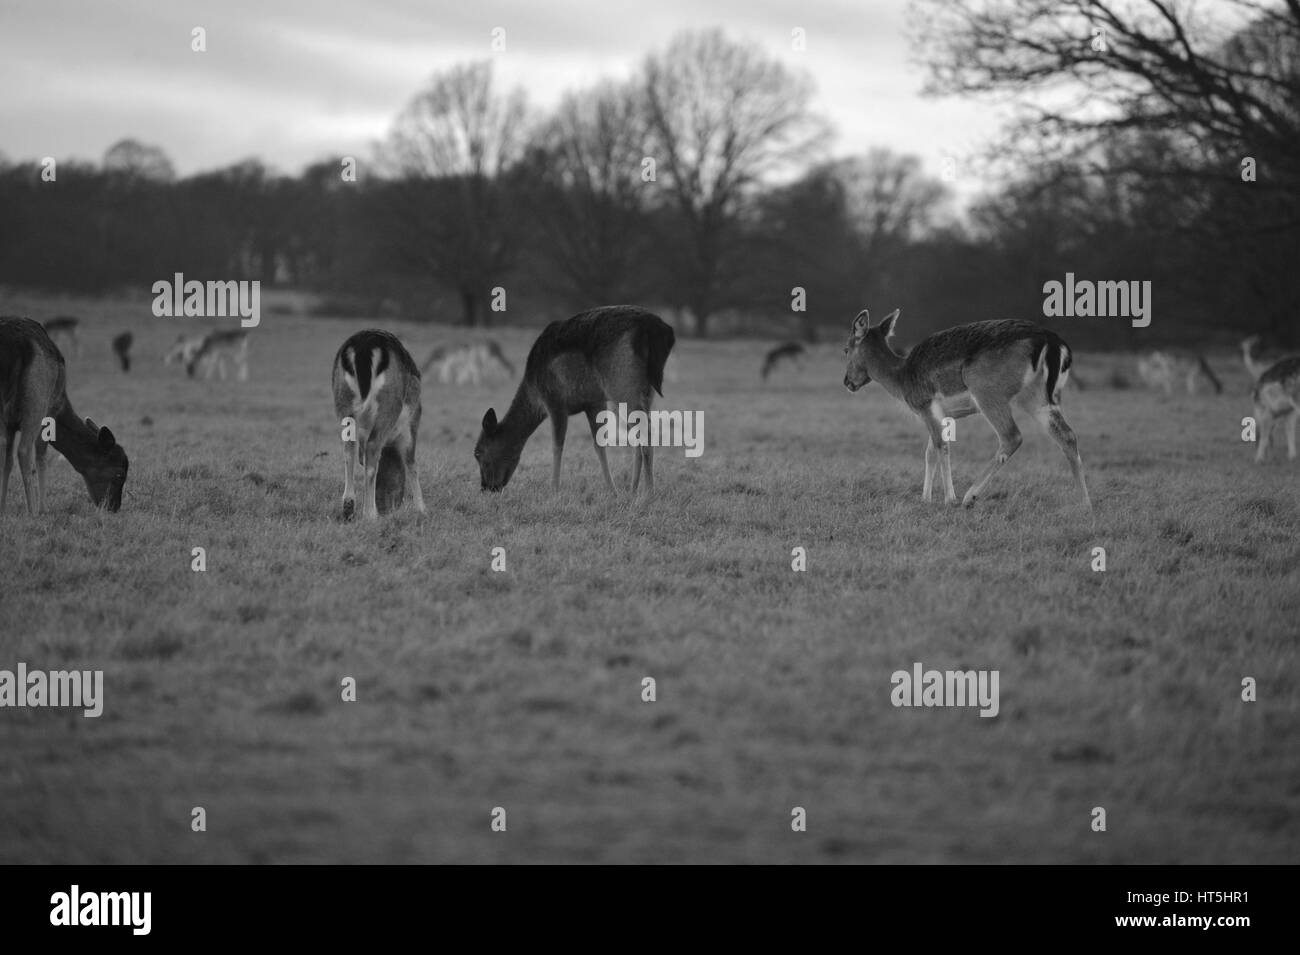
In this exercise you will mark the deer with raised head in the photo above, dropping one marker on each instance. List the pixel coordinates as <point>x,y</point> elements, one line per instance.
<point>1277,401</point>
<point>33,388</point>
<point>985,368</point>
<point>377,385</point>
<point>581,365</point>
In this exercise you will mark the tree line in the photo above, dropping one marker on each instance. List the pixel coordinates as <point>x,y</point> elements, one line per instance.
<point>703,185</point>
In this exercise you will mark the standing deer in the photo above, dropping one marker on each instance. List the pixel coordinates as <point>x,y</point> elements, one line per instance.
<point>377,385</point>
<point>1277,400</point>
<point>985,368</point>
<point>581,365</point>
<point>122,349</point>
<point>33,388</point>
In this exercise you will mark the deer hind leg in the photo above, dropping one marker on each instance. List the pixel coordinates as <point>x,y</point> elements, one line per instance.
<point>600,449</point>
<point>1263,431</point>
<point>931,455</point>
<point>27,468</point>
<point>997,411</point>
<point>374,450</point>
<point>1054,423</point>
<point>559,425</point>
<point>7,437</point>
<point>410,478</point>
<point>351,459</point>
<point>41,448</point>
<point>1290,434</point>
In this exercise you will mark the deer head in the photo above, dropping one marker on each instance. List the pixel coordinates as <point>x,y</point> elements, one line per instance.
<point>497,454</point>
<point>868,349</point>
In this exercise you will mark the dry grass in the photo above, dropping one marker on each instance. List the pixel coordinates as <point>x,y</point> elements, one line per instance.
<point>522,689</point>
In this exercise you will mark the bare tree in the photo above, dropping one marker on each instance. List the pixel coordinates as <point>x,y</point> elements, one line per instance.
<point>451,152</point>
<point>136,160</point>
<point>722,116</point>
<point>592,203</point>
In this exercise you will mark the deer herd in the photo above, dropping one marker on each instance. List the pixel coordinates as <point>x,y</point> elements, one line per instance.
<point>614,355</point>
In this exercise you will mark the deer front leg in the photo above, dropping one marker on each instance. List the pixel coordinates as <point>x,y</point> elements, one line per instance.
<point>600,449</point>
<point>1290,434</point>
<point>559,425</point>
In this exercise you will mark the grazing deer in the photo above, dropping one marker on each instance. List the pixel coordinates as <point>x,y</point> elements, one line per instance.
<point>790,351</point>
<point>468,364</point>
<point>581,365</point>
<point>377,385</point>
<point>984,368</point>
<point>32,388</point>
<point>211,351</point>
<point>64,328</point>
<point>1161,368</point>
<point>122,349</point>
<point>1277,400</point>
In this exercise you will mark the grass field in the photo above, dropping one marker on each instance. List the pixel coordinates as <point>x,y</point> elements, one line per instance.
<point>522,689</point>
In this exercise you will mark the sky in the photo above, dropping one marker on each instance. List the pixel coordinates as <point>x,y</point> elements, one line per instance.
<point>295,81</point>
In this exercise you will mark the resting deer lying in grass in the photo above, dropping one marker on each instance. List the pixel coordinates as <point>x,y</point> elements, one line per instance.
<point>579,366</point>
<point>1277,400</point>
<point>982,368</point>
<point>33,388</point>
<point>377,385</point>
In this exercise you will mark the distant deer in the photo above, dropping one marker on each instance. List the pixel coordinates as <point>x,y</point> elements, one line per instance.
<point>211,351</point>
<point>468,364</point>
<point>64,328</point>
<point>32,388</point>
<point>1161,368</point>
<point>982,368</point>
<point>1277,400</point>
<point>789,351</point>
<point>377,385</point>
<point>579,366</point>
<point>122,349</point>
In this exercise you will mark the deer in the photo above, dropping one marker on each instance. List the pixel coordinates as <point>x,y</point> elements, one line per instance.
<point>982,368</point>
<point>581,365</point>
<point>787,352</point>
<point>122,349</point>
<point>1161,368</point>
<point>210,352</point>
<point>33,393</point>
<point>1277,400</point>
<point>468,364</point>
<point>377,385</point>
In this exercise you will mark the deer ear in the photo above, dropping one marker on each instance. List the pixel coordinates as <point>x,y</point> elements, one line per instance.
<point>490,421</point>
<point>860,323</point>
<point>886,325</point>
<point>91,425</point>
<point>106,439</point>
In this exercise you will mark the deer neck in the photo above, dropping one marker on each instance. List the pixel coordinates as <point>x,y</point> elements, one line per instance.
<point>75,440</point>
<point>889,369</point>
<point>524,416</point>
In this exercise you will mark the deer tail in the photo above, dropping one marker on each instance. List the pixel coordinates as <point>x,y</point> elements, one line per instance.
<point>658,339</point>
